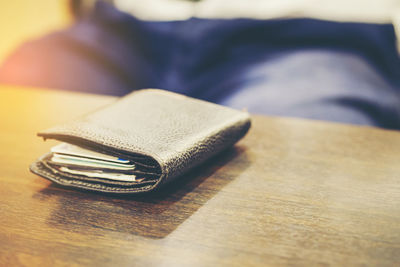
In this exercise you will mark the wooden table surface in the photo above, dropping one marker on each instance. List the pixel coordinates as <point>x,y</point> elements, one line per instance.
<point>292,192</point>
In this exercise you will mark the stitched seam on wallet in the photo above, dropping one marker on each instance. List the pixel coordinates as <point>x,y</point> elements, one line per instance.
<point>43,171</point>
<point>90,179</point>
<point>111,143</point>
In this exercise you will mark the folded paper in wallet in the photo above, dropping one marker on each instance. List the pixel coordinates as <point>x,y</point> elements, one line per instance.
<point>165,134</point>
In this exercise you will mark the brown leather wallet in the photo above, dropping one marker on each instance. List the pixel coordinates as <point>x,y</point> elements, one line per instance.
<point>167,132</point>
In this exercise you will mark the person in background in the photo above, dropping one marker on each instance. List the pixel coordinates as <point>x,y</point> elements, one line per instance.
<point>337,71</point>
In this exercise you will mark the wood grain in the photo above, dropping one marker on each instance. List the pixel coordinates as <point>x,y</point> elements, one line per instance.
<point>292,192</point>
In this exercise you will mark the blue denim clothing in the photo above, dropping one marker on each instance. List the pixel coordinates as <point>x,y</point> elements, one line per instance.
<point>344,72</point>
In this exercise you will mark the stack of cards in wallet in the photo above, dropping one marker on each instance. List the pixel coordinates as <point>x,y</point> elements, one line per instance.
<point>76,160</point>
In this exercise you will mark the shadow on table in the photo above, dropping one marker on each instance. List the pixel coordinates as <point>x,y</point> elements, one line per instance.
<point>154,215</point>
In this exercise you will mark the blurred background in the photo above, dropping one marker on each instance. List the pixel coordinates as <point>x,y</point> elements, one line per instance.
<point>23,20</point>
<point>108,53</point>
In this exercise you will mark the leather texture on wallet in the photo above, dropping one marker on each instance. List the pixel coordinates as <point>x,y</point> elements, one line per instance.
<point>171,133</point>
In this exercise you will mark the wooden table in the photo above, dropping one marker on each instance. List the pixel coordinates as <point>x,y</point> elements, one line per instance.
<point>292,192</point>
